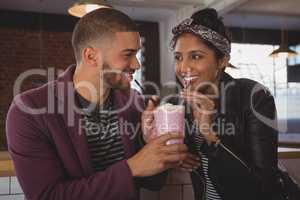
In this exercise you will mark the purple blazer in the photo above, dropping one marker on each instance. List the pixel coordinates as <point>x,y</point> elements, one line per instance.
<point>49,150</point>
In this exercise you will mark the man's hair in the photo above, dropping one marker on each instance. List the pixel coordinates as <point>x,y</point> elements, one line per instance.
<point>97,25</point>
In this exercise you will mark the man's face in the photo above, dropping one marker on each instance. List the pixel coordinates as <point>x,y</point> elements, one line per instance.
<point>120,61</point>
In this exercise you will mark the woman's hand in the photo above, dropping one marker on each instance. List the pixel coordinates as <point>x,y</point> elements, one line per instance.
<point>204,110</point>
<point>190,163</point>
<point>157,156</point>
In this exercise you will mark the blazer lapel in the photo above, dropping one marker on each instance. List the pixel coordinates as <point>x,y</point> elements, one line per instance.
<point>73,119</point>
<point>120,101</point>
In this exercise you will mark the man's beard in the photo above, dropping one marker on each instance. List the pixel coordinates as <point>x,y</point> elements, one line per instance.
<point>113,78</point>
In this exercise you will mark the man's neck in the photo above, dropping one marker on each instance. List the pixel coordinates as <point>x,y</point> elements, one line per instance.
<point>97,94</point>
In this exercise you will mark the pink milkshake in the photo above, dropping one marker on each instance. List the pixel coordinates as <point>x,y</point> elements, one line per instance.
<point>169,118</point>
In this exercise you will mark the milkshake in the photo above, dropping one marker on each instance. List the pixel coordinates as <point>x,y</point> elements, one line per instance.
<point>169,118</point>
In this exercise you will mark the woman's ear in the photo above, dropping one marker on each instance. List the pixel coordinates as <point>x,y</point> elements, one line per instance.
<point>223,63</point>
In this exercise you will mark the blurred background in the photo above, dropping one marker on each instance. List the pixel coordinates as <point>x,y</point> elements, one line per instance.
<point>37,34</point>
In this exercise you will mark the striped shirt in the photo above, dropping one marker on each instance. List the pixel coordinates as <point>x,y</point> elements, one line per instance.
<point>102,133</point>
<point>210,192</point>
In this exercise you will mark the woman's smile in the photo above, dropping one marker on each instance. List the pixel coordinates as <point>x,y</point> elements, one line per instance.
<point>189,80</point>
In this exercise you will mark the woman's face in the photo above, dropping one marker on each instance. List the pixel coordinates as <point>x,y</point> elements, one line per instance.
<point>196,63</point>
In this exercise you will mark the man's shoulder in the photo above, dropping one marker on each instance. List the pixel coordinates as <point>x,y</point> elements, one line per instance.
<point>27,109</point>
<point>36,97</point>
<point>41,95</point>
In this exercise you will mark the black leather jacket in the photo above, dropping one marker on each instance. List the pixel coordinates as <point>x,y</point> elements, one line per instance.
<point>243,166</point>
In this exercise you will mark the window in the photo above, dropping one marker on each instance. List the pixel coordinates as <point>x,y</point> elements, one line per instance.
<point>253,62</point>
<point>138,75</point>
<point>296,59</point>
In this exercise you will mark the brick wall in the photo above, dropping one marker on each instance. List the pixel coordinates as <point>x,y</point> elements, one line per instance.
<point>24,49</point>
<point>37,40</point>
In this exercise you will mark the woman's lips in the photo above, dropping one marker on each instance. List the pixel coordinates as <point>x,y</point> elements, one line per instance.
<point>188,80</point>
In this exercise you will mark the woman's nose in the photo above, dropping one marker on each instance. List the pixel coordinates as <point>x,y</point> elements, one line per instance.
<point>184,67</point>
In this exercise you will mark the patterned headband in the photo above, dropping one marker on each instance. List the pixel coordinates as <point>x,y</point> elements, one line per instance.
<point>219,41</point>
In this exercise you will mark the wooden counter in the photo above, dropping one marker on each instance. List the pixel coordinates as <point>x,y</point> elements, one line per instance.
<point>6,165</point>
<point>288,153</point>
<point>7,168</point>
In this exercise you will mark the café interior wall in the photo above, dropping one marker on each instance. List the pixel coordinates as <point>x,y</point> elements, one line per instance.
<point>167,69</point>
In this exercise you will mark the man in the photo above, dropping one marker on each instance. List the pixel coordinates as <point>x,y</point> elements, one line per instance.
<point>79,148</point>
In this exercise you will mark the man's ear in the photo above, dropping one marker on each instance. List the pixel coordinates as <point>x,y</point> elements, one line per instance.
<point>89,56</point>
<point>223,63</point>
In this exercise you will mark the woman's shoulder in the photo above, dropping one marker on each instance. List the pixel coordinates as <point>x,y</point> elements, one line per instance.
<point>254,93</point>
<point>247,92</point>
<point>247,83</point>
<point>252,87</point>
<point>246,87</point>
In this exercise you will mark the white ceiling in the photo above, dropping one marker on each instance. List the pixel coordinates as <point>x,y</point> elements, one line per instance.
<point>280,7</point>
<point>269,14</point>
<point>241,13</point>
<point>149,10</point>
<point>167,4</point>
<point>61,7</point>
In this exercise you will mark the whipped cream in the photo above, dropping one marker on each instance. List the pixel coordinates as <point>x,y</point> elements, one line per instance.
<point>168,107</point>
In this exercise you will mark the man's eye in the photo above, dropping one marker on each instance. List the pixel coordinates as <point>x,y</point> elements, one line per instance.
<point>176,57</point>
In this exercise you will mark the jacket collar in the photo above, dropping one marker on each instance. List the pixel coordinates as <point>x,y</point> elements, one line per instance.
<point>229,95</point>
<point>230,109</point>
<point>65,94</point>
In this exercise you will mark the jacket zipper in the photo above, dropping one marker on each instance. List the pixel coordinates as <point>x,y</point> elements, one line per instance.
<point>235,156</point>
<point>204,184</point>
<point>204,193</point>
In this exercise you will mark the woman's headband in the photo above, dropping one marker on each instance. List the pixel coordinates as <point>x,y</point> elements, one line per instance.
<point>219,41</point>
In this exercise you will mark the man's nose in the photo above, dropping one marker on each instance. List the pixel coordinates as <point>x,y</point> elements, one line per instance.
<point>135,64</point>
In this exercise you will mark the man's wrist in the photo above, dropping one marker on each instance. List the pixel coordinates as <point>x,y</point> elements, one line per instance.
<point>142,140</point>
<point>132,167</point>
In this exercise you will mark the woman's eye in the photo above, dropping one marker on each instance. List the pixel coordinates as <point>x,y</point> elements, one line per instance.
<point>196,57</point>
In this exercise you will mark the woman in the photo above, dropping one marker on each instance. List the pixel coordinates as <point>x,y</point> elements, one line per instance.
<point>234,118</point>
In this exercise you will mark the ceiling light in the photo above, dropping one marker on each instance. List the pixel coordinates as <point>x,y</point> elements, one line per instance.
<point>283,50</point>
<point>83,7</point>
